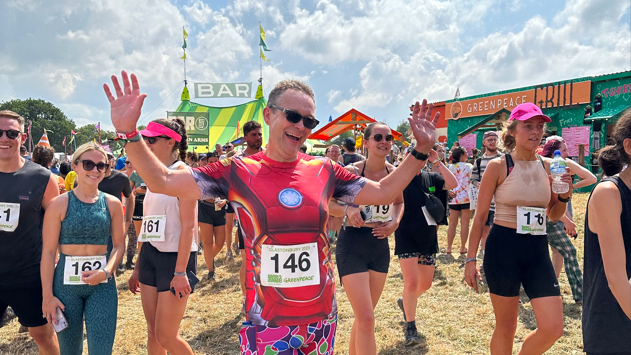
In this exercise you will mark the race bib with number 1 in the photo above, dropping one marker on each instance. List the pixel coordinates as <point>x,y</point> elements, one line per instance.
<point>9,216</point>
<point>285,266</point>
<point>76,264</point>
<point>531,220</point>
<point>152,229</point>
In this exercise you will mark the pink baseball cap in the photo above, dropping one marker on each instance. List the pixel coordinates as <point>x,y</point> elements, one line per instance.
<point>155,129</point>
<point>527,110</point>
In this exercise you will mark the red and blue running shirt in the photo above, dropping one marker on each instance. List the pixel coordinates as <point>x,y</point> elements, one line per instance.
<point>282,210</point>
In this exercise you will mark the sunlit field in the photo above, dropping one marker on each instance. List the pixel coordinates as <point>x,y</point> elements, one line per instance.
<point>451,318</point>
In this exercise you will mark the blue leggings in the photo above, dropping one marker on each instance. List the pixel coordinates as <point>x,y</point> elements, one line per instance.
<point>99,305</point>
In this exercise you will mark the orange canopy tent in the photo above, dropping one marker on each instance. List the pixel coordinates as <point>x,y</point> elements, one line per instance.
<point>345,123</point>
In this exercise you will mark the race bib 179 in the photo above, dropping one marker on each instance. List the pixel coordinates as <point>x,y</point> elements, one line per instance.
<point>76,264</point>
<point>152,229</point>
<point>9,216</point>
<point>531,220</point>
<point>285,266</point>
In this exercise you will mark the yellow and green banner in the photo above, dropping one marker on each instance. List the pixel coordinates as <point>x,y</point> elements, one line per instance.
<point>207,125</point>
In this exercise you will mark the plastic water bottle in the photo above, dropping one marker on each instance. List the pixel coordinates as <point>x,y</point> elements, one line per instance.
<point>558,168</point>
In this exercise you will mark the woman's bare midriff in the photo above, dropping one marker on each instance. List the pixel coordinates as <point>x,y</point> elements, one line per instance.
<point>83,249</point>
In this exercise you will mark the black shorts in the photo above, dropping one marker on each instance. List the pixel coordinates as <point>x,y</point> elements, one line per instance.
<point>240,235</point>
<point>426,260</point>
<point>460,207</point>
<point>207,214</point>
<point>229,208</point>
<point>512,259</point>
<point>26,303</point>
<point>490,218</point>
<point>357,250</point>
<point>138,208</point>
<point>156,268</point>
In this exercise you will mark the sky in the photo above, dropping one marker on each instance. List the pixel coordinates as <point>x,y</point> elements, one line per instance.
<point>375,56</point>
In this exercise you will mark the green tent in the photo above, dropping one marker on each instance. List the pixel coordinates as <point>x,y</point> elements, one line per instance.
<point>207,125</point>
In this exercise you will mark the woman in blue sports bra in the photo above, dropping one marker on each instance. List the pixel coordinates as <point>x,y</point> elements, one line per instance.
<point>362,253</point>
<point>80,223</point>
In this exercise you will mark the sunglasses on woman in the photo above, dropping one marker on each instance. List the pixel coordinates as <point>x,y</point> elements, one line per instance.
<point>295,117</point>
<point>152,140</point>
<point>88,165</point>
<point>11,133</point>
<point>378,137</point>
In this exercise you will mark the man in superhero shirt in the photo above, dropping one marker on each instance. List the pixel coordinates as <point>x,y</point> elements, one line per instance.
<point>281,198</point>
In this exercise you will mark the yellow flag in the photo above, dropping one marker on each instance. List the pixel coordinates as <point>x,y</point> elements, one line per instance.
<point>184,32</point>
<point>263,56</point>
<point>358,142</point>
<point>184,56</point>
<point>259,93</point>
<point>262,31</point>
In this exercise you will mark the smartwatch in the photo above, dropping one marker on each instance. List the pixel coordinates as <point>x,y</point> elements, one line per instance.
<point>418,155</point>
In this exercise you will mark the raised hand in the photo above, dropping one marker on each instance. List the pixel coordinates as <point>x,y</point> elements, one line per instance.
<point>126,106</point>
<point>423,126</point>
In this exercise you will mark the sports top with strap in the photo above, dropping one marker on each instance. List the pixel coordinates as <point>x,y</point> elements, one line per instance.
<point>86,223</point>
<point>163,205</point>
<point>527,184</point>
<point>376,214</point>
<point>21,249</point>
<point>604,322</point>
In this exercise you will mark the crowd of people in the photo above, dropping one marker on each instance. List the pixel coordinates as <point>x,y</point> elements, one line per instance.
<point>63,234</point>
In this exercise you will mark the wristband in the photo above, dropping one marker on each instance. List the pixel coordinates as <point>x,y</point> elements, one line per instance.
<point>418,155</point>
<point>564,200</point>
<point>179,274</point>
<point>127,136</point>
<point>470,259</point>
<point>436,162</point>
<point>108,275</point>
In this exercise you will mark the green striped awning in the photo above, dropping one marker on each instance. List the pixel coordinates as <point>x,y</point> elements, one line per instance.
<point>223,120</point>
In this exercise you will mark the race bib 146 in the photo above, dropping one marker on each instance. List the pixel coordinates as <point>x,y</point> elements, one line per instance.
<point>285,266</point>
<point>9,216</point>
<point>531,220</point>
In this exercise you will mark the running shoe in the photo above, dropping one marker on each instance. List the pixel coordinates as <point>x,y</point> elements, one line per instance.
<point>130,265</point>
<point>229,255</point>
<point>235,247</point>
<point>120,269</point>
<point>400,303</point>
<point>211,276</point>
<point>411,336</point>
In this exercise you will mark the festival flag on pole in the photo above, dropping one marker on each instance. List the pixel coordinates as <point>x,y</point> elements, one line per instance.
<point>262,39</point>
<point>263,56</point>
<point>236,134</point>
<point>185,35</point>
<point>64,142</point>
<point>97,127</point>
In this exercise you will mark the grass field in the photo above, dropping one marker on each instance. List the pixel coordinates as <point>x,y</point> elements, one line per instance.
<point>451,318</point>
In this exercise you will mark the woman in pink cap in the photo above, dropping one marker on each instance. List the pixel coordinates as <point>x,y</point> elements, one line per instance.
<point>517,246</point>
<point>168,250</point>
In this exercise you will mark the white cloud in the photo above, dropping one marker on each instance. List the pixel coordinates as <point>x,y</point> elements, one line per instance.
<point>272,75</point>
<point>199,12</point>
<point>333,95</point>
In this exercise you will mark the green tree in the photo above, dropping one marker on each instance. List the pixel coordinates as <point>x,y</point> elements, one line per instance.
<point>88,133</point>
<point>403,128</point>
<point>44,115</point>
<point>339,140</point>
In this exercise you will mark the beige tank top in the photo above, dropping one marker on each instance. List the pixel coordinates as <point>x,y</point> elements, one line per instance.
<point>527,185</point>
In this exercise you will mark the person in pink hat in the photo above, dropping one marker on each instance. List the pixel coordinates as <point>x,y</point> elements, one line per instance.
<point>516,248</point>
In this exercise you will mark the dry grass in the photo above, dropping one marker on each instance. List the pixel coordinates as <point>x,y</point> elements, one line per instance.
<point>451,318</point>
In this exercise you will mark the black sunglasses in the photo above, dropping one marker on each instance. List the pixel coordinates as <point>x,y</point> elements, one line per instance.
<point>11,133</point>
<point>88,165</point>
<point>152,140</point>
<point>127,162</point>
<point>295,117</point>
<point>378,137</point>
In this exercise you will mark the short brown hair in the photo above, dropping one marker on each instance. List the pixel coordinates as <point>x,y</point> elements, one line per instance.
<point>250,126</point>
<point>43,155</point>
<point>13,116</point>
<point>290,84</point>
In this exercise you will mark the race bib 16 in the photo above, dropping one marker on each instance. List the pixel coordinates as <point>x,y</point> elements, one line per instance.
<point>9,216</point>
<point>531,220</point>
<point>285,266</point>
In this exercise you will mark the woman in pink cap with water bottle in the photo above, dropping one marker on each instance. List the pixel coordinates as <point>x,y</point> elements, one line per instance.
<point>517,246</point>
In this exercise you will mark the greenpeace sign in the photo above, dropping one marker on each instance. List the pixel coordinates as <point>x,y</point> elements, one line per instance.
<point>221,90</point>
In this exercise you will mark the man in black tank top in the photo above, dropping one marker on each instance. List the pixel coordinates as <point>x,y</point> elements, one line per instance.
<point>25,191</point>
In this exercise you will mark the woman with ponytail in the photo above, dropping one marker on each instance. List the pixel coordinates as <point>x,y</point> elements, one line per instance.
<point>607,269</point>
<point>168,246</point>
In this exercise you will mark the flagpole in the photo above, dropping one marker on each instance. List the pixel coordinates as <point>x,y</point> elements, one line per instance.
<point>183,29</point>
<point>99,133</point>
<point>260,60</point>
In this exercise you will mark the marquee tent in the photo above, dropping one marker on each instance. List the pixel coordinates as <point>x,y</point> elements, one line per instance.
<point>347,122</point>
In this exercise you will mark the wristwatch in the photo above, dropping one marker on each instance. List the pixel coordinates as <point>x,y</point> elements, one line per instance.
<point>564,200</point>
<point>418,155</point>
<point>108,275</point>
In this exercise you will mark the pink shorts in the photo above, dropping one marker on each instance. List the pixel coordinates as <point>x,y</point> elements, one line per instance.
<point>312,339</point>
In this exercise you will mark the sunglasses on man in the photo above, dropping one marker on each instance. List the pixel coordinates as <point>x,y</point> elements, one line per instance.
<point>295,117</point>
<point>88,165</point>
<point>152,140</point>
<point>11,133</point>
<point>378,137</point>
